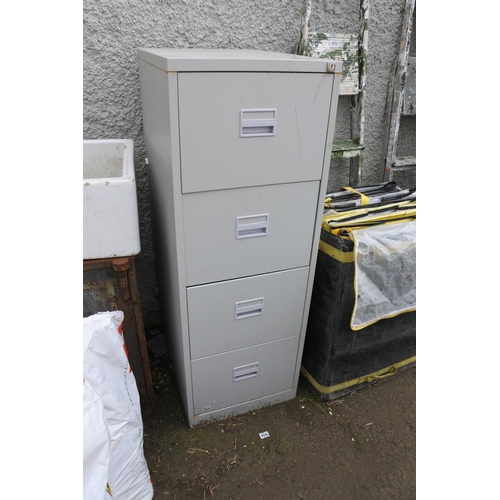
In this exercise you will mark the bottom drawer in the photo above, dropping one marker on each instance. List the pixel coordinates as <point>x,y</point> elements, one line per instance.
<point>243,375</point>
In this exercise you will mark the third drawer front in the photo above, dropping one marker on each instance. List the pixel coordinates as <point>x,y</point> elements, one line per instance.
<point>244,312</point>
<point>243,232</point>
<point>244,375</point>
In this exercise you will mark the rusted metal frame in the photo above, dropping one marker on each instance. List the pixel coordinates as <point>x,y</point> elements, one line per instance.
<point>357,108</point>
<point>395,95</point>
<point>128,300</point>
<point>141,334</point>
<point>121,268</point>
<point>95,264</point>
<point>120,265</point>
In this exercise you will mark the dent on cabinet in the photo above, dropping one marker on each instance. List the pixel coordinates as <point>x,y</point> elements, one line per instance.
<point>238,145</point>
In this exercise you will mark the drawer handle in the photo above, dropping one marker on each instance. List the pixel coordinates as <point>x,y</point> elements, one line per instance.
<point>248,308</point>
<point>250,226</point>
<point>258,122</point>
<point>246,371</point>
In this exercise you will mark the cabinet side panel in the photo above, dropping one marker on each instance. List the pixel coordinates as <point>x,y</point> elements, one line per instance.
<point>319,214</point>
<point>160,121</point>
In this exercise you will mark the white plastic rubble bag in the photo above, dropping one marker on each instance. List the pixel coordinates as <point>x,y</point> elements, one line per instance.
<point>107,369</point>
<point>95,447</point>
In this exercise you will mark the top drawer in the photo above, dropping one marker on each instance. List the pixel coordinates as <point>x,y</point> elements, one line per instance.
<point>250,129</point>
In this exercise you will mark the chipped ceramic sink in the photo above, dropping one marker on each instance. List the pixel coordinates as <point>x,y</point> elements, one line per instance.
<point>110,215</point>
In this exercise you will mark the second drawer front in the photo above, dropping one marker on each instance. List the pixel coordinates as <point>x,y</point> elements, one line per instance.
<point>244,312</point>
<point>243,375</point>
<point>243,232</point>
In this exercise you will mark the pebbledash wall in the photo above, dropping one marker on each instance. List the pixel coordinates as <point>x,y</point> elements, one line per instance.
<point>114,29</point>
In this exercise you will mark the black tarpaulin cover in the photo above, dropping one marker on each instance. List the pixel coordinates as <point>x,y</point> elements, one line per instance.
<point>337,359</point>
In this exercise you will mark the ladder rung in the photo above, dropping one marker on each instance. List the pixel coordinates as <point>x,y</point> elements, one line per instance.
<point>346,149</point>
<point>405,163</point>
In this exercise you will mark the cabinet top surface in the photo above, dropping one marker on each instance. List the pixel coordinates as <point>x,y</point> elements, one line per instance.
<point>234,60</point>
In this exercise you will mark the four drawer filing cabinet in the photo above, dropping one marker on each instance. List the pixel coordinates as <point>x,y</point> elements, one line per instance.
<point>238,149</point>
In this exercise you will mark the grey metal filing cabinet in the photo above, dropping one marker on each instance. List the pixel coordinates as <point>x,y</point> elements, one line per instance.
<point>238,145</point>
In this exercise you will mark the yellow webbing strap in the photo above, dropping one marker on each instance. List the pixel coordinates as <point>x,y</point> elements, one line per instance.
<point>355,212</point>
<point>360,212</point>
<point>339,231</point>
<point>330,222</point>
<point>364,199</point>
<point>387,372</point>
<point>336,253</point>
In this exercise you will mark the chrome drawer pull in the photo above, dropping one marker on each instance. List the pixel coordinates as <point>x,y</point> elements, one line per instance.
<point>248,308</point>
<point>246,371</point>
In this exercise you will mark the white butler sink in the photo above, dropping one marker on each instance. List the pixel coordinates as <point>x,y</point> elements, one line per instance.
<point>110,215</point>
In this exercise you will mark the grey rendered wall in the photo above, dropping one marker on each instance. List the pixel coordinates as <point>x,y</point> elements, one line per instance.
<point>114,29</point>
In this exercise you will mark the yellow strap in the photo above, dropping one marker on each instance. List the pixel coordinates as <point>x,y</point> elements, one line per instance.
<point>341,229</point>
<point>380,374</point>
<point>339,232</point>
<point>400,216</point>
<point>392,371</point>
<point>336,253</point>
<point>358,212</point>
<point>364,199</point>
